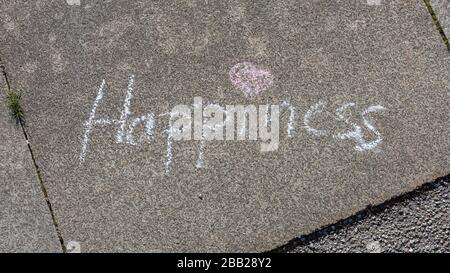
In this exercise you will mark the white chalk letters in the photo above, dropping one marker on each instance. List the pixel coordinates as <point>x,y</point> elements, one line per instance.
<point>213,122</point>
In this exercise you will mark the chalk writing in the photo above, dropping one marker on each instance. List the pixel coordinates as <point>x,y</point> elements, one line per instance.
<point>243,123</point>
<point>314,110</point>
<point>250,79</point>
<point>357,133</point>
<point>90,121</point>
<point>290,127</point>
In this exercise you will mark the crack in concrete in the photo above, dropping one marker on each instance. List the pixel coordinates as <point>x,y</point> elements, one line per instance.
<point>437,23</point>
<point>38,172</point>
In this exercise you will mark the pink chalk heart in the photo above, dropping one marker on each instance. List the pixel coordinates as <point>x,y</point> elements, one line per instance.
<point>250,79</point>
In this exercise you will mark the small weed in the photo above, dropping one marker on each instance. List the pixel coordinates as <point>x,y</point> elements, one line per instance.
<point>13,104</point>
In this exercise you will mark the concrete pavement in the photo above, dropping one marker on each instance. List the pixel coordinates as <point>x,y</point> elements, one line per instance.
<point>442,10</point>
<point>25,221</point>
<point>362,91</point>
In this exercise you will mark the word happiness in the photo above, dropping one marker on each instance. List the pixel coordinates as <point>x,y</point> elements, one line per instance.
<point>213,122</point>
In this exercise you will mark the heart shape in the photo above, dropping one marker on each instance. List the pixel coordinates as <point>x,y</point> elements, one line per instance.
<point>250,79</point>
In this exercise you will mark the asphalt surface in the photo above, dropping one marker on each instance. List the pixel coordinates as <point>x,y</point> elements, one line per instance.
<point>418,221</point>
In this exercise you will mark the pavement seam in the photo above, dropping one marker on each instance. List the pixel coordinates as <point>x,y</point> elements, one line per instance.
<point>38,172</point>
<point>358,217</point>
<point>437,23</point>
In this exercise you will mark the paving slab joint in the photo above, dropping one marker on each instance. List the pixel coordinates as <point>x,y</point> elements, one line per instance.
<point>361,215</point>
<point>18,115</point>
<point>437,23</point>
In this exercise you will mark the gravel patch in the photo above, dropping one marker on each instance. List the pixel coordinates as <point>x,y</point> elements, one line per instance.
<point>415,222</point>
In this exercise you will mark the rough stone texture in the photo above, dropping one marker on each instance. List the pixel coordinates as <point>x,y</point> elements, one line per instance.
<point>121,199</point>
<point>442,10</point>
<point>25,222</point>
<point>417,222</point>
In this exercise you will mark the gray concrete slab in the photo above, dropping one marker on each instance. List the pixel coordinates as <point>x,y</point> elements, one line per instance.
<point>25,222</point>
<point>416,222</point>
<point>442,10</point>
<point>385,64</point>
